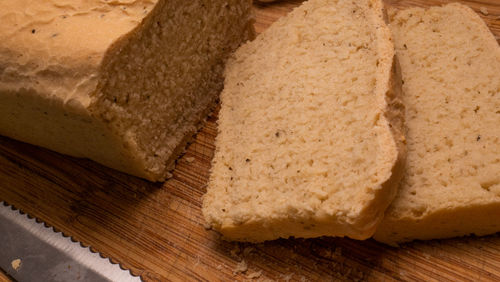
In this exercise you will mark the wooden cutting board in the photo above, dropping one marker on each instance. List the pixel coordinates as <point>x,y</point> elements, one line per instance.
<point>156,229</point>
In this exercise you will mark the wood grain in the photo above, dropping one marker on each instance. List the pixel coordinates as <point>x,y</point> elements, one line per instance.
<point>4,277</point>
<point>156,230</point>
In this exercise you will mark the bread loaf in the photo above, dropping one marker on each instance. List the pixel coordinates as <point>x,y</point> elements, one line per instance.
<point>124,83</point>
<point>450,65</point>
<point>305,146</point>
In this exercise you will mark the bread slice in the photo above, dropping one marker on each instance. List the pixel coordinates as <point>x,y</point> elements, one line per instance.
<point>124,83</point>
<point>450,64</point>
<point>305,146</point>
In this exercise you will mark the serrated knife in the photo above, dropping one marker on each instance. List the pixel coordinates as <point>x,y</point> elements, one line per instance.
<point>29,251</point>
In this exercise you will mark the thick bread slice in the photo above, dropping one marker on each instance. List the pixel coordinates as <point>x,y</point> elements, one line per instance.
<point>305,146</point>
<point>124,83</point>
<point>450,64</point>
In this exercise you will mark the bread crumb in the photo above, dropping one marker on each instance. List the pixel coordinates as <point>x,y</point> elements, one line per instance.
<point>248,250</point>
<point>16,264</point>
<point>254,275</point>
<point>483,10</point>
<point>241,267</point>
<point>189,159</point>
<point>347,273</point>
<point>207,226</point>
<point>197,261</point>
<point>219,267</point>
<point>286,277</point>
<point>338,251</point>
<point>168,175</point>
<point>235,252</point>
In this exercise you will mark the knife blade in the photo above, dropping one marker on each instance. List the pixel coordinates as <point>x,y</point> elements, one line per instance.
<point>29,251</point>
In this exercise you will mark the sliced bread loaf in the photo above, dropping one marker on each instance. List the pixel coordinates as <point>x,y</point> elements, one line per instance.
<point>450,65</point>
<point>124,83</point>
<point>305,146</point>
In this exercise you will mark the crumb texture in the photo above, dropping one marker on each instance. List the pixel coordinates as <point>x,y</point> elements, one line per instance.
<point>304,146</point>
<point>451,71</point>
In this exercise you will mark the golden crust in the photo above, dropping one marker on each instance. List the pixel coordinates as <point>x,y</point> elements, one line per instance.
<point>124,83</point>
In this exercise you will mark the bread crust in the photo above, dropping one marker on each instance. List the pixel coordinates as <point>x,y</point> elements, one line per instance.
<point>54,73</point>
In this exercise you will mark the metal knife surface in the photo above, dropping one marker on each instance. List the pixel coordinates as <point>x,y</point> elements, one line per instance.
<point>29,251</point>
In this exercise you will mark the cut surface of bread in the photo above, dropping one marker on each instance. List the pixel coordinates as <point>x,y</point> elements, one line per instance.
<point>124,83</point>
<point>450,65</point>
<point>305,146</point>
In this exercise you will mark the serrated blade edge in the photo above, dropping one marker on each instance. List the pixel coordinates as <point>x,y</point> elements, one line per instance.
<point>46,255</point>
